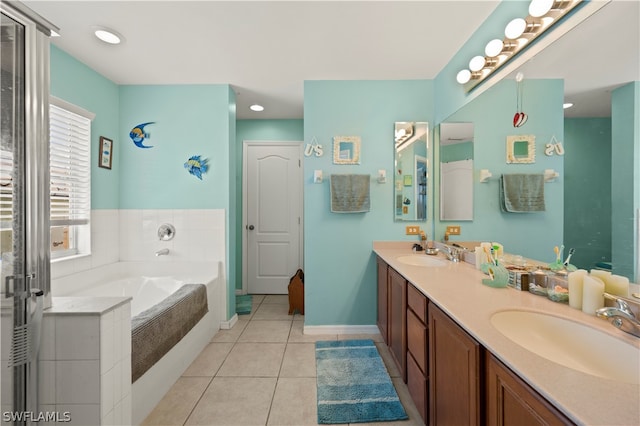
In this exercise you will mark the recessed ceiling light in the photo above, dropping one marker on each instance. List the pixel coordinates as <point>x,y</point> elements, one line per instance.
<point>256,107</point>
<point>567,105</point>
<point>108,36</point>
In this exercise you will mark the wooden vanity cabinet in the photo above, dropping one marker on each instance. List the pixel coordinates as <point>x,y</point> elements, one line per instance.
<point>510,401</point>
<point>397,321</point>
<point>383,291</point>
<point>417,344</point>
<point>455,366</point>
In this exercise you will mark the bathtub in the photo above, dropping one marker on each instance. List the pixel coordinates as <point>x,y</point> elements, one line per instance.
<point>148,283</point>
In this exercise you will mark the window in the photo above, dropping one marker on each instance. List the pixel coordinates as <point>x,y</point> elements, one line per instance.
<point>70,166</point>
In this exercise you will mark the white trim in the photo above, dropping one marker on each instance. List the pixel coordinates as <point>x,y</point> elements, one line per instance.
<point>245,144</point>
<point>227,325</point>
<point>340,329</point>
<point>61,103</point>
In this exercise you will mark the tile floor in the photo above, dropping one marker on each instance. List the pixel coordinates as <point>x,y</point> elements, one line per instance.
<point>260,372</point>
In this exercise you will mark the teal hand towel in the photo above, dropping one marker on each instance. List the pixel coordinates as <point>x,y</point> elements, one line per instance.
<point>522,193</point>
<point>350,193</point>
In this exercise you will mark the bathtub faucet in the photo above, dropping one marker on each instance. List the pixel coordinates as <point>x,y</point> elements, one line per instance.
<point>163,252</point>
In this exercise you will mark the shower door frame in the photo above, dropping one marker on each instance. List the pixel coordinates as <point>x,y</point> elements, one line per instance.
<point>33,249</point>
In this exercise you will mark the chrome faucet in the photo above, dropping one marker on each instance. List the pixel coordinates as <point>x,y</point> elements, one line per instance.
<point>453,254</point>
<point>163,252</point>
<point>621,316</point>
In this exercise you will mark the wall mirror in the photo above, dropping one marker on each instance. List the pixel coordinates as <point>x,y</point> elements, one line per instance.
<point>521,149</point>
<point>598,234</point>
<point>411,170</point>
<point>456,171</point>
<point>346,150</point>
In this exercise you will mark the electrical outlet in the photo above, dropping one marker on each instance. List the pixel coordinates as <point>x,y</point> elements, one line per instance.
<point>412,230</point>
<point>453,230</point>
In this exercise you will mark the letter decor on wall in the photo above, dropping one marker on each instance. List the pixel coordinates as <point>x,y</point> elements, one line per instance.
<point>138,135</point>
<point>554,146</point>
<point>313,148</point>
<point>196,166</point>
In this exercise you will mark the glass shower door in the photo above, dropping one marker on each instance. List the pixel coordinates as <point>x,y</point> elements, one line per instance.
<point>12,215</point>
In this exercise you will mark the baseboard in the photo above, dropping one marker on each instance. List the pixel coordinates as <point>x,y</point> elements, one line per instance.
<point>226,325</point>
<point>341,329</point>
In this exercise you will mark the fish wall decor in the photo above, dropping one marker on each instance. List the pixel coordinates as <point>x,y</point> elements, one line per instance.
<point>138,135</point>
<point>197,166</point>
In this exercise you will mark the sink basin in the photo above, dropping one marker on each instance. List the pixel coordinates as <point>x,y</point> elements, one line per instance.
<point>571,344</point>
<point>421,260</point>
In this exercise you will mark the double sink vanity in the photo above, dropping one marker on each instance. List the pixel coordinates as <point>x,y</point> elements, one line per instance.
<point>474,354</point>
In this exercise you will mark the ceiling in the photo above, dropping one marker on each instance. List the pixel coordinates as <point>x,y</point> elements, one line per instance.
<point>266,49</point>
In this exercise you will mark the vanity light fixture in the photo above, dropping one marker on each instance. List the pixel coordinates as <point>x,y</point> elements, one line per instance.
<point>108,35</point>
<point>518,35</point>
<point>256,108</point>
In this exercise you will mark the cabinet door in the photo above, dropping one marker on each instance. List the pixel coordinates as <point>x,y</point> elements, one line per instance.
<point>383,306</point>
<point>510,401</point>
<point>398,321</point>
<point>417,385</point>
<point>454,372</point>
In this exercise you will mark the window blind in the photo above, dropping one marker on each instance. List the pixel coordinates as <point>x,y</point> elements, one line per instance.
<point>70,164</point>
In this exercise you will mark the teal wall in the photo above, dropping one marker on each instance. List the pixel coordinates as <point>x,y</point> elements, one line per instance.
<point>339,265</point>
<point>256,130</point>
<point>189,120</point>
<point>625,180</point>
<point>587,190</point>
<point>530,234</point>
<point>76,83</point>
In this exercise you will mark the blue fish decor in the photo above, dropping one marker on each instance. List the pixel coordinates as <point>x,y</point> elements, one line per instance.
<point>196,166</point>
<point>138,135</point>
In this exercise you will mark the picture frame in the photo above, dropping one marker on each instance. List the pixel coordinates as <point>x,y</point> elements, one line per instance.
<point>346,150</point>
<point>106,153</point>
<point>408,180</point>
<point>521,149</point>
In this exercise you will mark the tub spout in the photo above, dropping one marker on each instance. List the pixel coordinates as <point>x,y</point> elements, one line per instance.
<point>163,252</point>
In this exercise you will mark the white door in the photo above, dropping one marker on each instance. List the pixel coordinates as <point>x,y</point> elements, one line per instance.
<point>456,192</point>
<point>273,215</point>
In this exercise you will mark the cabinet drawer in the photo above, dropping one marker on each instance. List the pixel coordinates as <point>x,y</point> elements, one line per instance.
<point>417,340</point>
<point>417,302</point>
<point>417,385</point>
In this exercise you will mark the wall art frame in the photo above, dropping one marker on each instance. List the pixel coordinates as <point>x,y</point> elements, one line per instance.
<point>105,158</point>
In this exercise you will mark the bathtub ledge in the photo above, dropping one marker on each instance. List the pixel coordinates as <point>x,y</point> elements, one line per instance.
<point>84,305</point>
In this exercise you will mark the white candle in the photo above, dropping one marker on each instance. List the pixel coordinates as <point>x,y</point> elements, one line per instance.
<point>618,285</point>
<point>576,279</point>
<point>592,294</point>
<point>602,274</point>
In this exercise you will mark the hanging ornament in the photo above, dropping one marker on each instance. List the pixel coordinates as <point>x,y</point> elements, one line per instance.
<point>520,117</point>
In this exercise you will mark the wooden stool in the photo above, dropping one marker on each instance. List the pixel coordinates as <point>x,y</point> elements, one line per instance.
<point>296,293</point>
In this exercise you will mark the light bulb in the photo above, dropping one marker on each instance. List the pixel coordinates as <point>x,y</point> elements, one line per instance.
<point>476,63</point>
<point>463,76</point>
<point>539,8</point>
<point>494,47</point>
<point>567,105</point>
<point>515,28</point>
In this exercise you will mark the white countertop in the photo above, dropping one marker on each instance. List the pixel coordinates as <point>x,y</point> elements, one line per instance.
<point>457,289</point>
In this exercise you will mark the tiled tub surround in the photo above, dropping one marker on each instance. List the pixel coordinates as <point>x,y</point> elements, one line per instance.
<point>131,235</point>
<point>456,288</point>
<point>149,389</point>
<point>85,360</point>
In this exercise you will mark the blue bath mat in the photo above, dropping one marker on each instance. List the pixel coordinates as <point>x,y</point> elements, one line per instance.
<point>243,304</point>
<point>353,384</point>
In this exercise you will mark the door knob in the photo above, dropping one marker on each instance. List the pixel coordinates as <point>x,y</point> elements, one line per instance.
<point>251,227</point>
